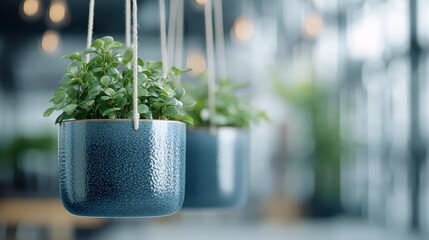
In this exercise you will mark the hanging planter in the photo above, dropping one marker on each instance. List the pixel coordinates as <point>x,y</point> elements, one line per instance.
<point>110,165</point>
<point>217,154</point>
<point>107,167</point>
<point>216,168</point>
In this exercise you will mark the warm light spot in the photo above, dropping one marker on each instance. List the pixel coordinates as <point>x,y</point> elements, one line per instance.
<point>196,62</point>
<point>31,7</point>
<point>313,25</point>
<point>57,11</point>
<point>243,29</point>
<point>50,41</point>
<point>200,2</point>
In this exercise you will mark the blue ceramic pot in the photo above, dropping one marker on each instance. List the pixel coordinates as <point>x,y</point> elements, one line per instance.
<point>216,168</point>
<point>107,169</point>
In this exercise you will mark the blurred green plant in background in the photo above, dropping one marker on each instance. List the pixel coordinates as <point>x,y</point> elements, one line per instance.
<point>11,155</point>
<point>318,102</point>
<point>18,145</point>
<point>233,109</point>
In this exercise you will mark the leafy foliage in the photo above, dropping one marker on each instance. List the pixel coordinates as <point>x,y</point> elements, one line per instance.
<point>231,109</point>
<point>102,88</point>
<point>315,100</point>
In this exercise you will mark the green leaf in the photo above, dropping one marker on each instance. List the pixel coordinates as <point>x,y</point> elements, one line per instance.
<point>109,111</point>
<point>180,92</point>
<point>142,92</point>
<point>98,43</point>
<point>141,77</point>
<point>130,114</point>
<point>114,45</point>
<point>77,56</point>
<point>69,109</point>
<point>90,50</point>
<point>172,101</point>
<point>88,102</point>
<point>121,102</point>
<point>128,56</point>
<point>177,71</point>
<point>107,40</point>
<point>189,103</point>
<point>154,65</point>
<point>105,98</point>
<point>60,105</point>
<point>112,116</point>
<point>88,77</point>
<point>142,108</point>
<point>109,92</point>
<point>48,112</point>
<point>60,93</point>
<point>140,62</point>
<point>114,72</point>
<point>122,90</point>
<point>187,119</point>
<point>97,70</point>
<point>153,93</point>
<point>73,69</point>
<point>171,111</point>
<point>106,80</point>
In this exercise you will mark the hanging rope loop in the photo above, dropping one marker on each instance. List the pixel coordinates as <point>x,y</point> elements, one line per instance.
<point>128,23</point>
<point>172,24</point>
<point>210,62</point>
<point>135,69</point>
<point>178,55</point>
<point>90,26</point>
<point>220,39</point>
<point>163,31</point>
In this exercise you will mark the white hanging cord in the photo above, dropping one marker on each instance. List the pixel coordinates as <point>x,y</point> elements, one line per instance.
<point>90,26</point>
<point>128,23</point>
<point>163,37</point>
<point>179,37</point>
<point>220,40</point>
<point>136,114</point>
<point>210,61</point>
<point>172,22</point>
<point>128,26</point>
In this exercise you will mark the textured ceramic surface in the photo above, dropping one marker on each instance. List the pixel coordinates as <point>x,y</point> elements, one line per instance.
<point>216,168</point>
<point>107,169</point>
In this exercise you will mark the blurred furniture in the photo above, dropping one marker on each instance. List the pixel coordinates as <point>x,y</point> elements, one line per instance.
<point>48,213</point>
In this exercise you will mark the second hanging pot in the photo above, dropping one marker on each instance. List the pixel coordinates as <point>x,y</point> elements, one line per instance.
<point>216,168</point>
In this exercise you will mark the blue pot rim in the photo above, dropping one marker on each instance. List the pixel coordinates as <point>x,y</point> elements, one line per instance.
<point>121,119</point>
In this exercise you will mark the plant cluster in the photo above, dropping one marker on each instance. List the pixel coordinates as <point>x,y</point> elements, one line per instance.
<point>231,109</point>
<point>103,87</point>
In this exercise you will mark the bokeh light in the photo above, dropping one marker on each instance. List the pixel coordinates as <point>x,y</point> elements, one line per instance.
<point>200,2</point>
<point>313,25</point>
<point>57,11</point>
<point>243,29</point>
<point>31,8</point>
<point>197,62</point>
<point>50,41</point>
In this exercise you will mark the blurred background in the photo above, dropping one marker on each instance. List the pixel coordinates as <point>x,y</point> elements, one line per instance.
<point>344,82</point>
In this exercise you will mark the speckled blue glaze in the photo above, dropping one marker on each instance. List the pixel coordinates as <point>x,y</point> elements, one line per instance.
<point>107,169</point>
<point>216,168</point>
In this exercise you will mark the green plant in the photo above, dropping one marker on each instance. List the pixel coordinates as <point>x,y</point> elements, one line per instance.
<point>102,88</point>
<point>231,109</point>
<point>315,100</point>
